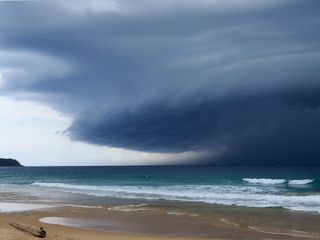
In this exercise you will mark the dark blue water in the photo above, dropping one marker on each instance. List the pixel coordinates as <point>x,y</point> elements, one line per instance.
<point>294,188</point>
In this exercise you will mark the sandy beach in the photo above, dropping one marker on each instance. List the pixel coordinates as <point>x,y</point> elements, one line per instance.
<point>87,222</point>
<point>55,231</point>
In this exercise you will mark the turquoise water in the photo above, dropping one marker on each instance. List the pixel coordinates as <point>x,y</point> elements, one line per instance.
<point>293,188</point>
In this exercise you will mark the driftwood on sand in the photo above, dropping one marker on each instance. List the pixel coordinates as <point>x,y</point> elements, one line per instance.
<point>35,231</point>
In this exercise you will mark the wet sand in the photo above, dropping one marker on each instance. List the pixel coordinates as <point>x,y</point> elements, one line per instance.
<point>72,222</point>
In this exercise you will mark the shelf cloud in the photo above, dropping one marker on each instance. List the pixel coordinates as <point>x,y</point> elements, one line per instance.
<point>237,80</point>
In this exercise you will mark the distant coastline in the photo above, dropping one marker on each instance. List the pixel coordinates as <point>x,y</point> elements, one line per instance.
<point>9,162</point>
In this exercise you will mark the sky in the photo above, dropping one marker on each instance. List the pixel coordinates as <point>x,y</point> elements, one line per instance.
<point>142,82</point>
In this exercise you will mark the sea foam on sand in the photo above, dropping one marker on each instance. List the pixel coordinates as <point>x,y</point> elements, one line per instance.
<point>6,207</point>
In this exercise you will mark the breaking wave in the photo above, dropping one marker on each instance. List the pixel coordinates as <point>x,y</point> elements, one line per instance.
<point>266,181</point>
<point>246,195</point>
<point>270,181</point>
<point>301,182</point>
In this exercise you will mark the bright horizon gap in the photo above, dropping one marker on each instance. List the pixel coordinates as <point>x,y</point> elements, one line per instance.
<point>43,138</point>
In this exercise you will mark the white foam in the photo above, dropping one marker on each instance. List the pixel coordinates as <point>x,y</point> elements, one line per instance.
<point>181,214</point>
<point>78,206</point>
<point>315,209</point>
<point>293,233</point>
<point>6,207</point>
<point>301,181</point>
<point>63,185</point>
<point>130,208</point>
<point>240,195</point>
<point>266,181</point>
<point>229,222</point>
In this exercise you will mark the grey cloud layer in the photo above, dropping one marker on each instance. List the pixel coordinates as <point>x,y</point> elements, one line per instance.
<point>177,76</point>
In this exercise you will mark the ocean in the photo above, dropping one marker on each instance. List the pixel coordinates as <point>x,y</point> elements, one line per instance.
<point>293,188</point>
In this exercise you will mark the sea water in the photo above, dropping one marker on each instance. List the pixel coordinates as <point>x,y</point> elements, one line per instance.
<point>293,188</point>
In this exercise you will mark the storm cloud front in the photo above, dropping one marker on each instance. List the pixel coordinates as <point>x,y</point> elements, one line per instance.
<point>238,80</point>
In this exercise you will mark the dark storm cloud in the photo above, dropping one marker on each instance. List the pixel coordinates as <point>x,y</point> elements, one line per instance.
<point>175,76</point>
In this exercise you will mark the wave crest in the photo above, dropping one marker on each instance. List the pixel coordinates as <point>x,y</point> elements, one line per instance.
<point>270,181</point>
<point>246,195</point>
<point>266,181</point>
<point>301,181</point>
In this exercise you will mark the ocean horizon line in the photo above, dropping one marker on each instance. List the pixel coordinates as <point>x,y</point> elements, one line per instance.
<point>184,165</point>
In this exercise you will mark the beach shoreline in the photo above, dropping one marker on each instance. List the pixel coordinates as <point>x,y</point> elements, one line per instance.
<point>134,222</point>
<point>163,202</point>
